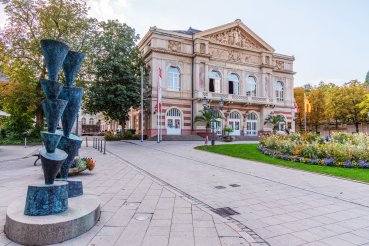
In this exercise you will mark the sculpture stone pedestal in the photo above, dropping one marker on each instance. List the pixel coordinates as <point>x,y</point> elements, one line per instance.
<point>75,187</point>
<point>45,199</point>
<point>82,214</point>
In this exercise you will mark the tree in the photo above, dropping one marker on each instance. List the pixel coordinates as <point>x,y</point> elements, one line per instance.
<point>335,110</point>
<point>317,97</point>
<point>116,65</point>
<point>28,22</point>
<point>18,100</point>
<point>353,94</point>
<point>366,82</point>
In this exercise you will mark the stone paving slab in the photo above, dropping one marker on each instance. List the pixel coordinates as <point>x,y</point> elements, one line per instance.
<point>136,209</point>
<point>11,152</point>
<point>283,206</point>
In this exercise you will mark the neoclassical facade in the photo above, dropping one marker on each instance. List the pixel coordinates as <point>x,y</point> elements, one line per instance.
<point>229,63</point>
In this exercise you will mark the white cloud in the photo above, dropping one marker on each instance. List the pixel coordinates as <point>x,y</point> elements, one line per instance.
<point>108,9</point>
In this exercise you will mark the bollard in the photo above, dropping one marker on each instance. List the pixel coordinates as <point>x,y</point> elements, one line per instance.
<point>25,142</point>
<point>86,142</point>
<point>104,146</point>
<point>101,148</point>
<point>99,145</point>
<point>93,142</point>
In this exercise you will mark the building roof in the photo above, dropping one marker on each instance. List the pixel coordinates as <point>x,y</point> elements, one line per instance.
<point>3,78</point>
<point>189,31</point>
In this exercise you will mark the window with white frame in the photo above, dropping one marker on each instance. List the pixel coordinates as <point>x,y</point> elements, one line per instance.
<point>214,81</point>
<point>251,86</point>
<point>233,84</point>
<point>279,91</point>
<point>83,121</point>
<point>173,79</point>
<point>91,121</point>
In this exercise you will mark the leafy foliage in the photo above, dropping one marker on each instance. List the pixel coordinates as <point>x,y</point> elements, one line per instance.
<point>29,21</point>
<point>274,120</point>
<point>333,104</point>
<point>116,65</point>
<point>18,99</point>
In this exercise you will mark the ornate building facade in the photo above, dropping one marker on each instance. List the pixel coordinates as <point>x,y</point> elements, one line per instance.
<point>229,63</point>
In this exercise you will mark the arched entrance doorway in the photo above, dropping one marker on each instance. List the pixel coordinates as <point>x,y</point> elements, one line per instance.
<point>252,125</point>
<point>174,121</point>
<point>234,122</point>
<point>218,123</point>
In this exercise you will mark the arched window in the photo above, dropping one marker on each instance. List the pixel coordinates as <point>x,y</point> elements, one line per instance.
<point>234,115</point>
<point>91,121</point>
<point>279,91</point>
<point>174,112</point>
<point>83,121</point>
<point>252,116</point>
<point>173,79</point>
<point>251,86</point>
<point>233,84</point>
<point>214,81</point>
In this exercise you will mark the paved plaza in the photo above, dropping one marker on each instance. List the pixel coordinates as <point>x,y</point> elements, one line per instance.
<point>136,208</point>
<point>283,206</point>
<point>168,193</point>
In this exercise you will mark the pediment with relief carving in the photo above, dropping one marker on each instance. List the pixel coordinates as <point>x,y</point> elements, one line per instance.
<point>235,37</point>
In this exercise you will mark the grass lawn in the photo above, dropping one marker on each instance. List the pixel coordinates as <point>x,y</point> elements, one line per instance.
<point>250,152</point>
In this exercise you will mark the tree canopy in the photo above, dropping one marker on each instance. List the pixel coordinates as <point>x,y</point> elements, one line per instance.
<point>116,65</point>
<point>29,21</point>
<point>333,104</point>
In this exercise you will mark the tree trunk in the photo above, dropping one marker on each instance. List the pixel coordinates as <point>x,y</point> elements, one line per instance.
<point>123,124</point>
<point>357,126</point>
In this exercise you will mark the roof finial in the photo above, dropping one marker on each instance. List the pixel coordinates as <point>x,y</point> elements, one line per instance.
<point>238,20</point>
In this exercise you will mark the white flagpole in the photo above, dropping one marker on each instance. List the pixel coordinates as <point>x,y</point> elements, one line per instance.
<point>158,107</point>
<point>157,112</point>
<point>160,96</point>
<point>142,109</point>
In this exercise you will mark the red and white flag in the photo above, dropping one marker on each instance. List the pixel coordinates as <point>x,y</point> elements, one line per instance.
<point>297,110</point>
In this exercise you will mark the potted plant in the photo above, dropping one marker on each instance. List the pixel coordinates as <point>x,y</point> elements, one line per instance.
<point>227,137</point>
<point>204,118</point>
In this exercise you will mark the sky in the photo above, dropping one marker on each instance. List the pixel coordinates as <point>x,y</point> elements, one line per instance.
<point>329,38</point>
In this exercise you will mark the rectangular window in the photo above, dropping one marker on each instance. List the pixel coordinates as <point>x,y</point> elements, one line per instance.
<point>211,85</point>
<point>230,87</point>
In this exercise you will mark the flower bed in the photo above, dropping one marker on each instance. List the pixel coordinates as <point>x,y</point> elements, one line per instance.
<point>340,150</point>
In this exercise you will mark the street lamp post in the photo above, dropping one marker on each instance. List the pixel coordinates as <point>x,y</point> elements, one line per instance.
<point>212,110</point>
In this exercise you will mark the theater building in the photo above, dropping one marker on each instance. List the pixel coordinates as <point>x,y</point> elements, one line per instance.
<point>229,63</point>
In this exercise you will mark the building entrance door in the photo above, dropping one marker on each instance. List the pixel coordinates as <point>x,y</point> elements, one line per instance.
<point>234,122</point>
<point>173,122</point>
<point>252,122</point>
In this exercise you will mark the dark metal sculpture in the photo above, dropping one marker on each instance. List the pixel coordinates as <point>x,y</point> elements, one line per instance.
<point>61,147</point>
